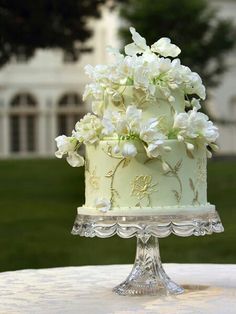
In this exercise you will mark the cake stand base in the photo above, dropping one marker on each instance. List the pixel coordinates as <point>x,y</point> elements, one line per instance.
<point>148,276</point>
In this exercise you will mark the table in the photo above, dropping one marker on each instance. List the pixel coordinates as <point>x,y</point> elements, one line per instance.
<point>210,288</point>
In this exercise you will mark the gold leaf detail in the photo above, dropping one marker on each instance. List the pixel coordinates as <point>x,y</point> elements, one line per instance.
<point>94,180</point>
<point>177,195</point>
<point>173,172</point>
<point>191,184</point>
<point>126,162</point>
<point>142,188</point>
<point>178,165</point>
<point>109,174</point>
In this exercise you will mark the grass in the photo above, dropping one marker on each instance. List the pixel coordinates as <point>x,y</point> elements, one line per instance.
<point>38,206</point>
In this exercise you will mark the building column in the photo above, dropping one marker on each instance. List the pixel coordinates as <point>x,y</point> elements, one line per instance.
<point>52,132</point>
<point>5,134</point>
<point>42,134</point>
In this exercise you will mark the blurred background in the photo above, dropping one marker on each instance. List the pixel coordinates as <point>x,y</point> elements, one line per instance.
<point>44,47</point>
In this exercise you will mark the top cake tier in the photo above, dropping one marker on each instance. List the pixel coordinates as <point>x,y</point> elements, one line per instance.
<point>144,97</point>
<point>152,106</point>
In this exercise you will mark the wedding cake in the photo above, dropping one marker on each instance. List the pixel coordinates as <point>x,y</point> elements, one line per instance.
<point>146,143</point>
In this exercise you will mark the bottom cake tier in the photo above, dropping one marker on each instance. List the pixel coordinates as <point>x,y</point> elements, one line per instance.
<point>117,185</point>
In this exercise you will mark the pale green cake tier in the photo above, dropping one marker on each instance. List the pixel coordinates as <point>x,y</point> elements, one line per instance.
<point>157,105</point>
<point>140,185</point>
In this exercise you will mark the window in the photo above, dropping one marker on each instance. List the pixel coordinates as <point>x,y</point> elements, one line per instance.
<point>70,110</point>
<point>23,122</point>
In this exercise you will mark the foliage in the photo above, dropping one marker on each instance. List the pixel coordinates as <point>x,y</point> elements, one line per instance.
<point>192,25</point>
<point>28,25</point>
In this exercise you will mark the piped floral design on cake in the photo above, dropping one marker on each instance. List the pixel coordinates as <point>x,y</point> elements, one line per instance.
<point>142,188</point>
<point>172,171</point>
<point>195,200</point>
<point>123,162</point>
<point>201,173</point>
<point>94,179</point>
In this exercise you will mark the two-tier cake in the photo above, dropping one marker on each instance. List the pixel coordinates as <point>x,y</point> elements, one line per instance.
<point>146,140</point>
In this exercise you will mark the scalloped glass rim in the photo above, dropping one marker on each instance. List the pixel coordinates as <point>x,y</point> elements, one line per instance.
<point>159,226</point>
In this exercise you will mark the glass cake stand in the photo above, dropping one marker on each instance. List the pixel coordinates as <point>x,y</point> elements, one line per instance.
<point>147,276</point>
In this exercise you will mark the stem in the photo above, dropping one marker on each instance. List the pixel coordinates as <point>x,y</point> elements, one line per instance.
<point>147,276</point>
<point>112,181</point>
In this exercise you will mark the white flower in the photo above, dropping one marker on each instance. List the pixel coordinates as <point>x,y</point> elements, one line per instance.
<point>129,150</point>
<point>65,145</point>
<point>74,159</point>
<point>195,124</point>
<point>164,47</point>
<point>141,77</point>
<point>189,146</point>
<point>133,117</point>
<point>88,129</point>
<point>95,90</point>
<point>103,204</point>
<point>98,107</point>
<point>116,149</point>
<point>195,103</point>
<point>181,120</point>
<point>150,132</point>
<point>122,124</point>
<point>109,121</point>
<point>154,149</point>
<point>138,46</point>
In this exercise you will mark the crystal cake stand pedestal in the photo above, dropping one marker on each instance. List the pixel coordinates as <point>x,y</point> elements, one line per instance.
<point>147,276</point>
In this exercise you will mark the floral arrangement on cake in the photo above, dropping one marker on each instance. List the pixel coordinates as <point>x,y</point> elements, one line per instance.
<point>147,70</point>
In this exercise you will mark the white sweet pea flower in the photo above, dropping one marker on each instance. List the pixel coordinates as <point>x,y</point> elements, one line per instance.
<point>129,150</point>
<point>109,122</point>
<point>181,120</point>
<point>98,107</point>
<point>122,124</point>
<point>88,129</point>
<point>165,48</point>
<point>138,46</point>
<point>141,77</point>
<point>116,53</point>
<point>133,117</point>
<point>195,103</point>
<point>150,132</point>
<point>116,149</point>
<point>195,124</point>
<point>98,72</point>
<point>65,145</point>
<point>95,90</point>
<point>74,159</point>
<point>154,149</point>
<point>103,204</point>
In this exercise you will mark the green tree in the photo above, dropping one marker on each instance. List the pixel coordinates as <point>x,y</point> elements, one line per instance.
<point>31,24</point>
<point>191,24</point>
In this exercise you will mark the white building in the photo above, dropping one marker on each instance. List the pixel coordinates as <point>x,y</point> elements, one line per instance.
<point>41,99</point>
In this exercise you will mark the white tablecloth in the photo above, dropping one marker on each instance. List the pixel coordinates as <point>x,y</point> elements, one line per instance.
<point>210,288</point>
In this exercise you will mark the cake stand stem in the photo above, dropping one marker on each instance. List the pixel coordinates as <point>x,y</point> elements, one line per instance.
<point>147,276</point>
